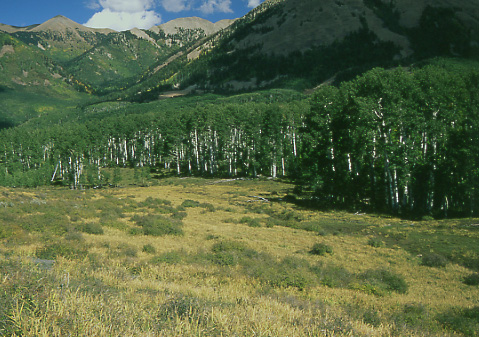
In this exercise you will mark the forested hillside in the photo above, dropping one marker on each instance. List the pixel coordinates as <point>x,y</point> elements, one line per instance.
<point>401,140</point>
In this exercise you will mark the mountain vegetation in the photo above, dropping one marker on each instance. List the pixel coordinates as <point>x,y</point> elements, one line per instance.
<point>309,169</point>
<point>394,139</point>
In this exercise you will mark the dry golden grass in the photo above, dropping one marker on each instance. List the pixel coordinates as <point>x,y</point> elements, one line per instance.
<point>117,289</point>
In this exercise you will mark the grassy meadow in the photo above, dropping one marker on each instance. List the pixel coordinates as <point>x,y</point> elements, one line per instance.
<point>212,257</point>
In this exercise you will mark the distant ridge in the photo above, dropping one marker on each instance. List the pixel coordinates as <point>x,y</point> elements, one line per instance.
<point>58,23</point>
<point>172,27</point>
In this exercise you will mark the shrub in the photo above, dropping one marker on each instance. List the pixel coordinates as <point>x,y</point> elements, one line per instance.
<point>149,249</point>
<point>91,228</point>
<point>333,276</point>
<point>251,222</point>
<point>433,260</point>
<point>179,215</point>
<point>183,307</point>
<point>462,320</point>
<point>208,207</point>
<point>382,280</point>
<point>172,257</point>
<point>190,203</point>
<point>154,202</point>
<point>158,225</point>
<point>412,314</point>
<point>376,242</point>
<point>472,280</point>
<point>64,249</point>
<point>321,249</point>
<point>74,236</point>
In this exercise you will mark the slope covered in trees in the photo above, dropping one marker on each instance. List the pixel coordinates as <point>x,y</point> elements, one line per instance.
<point>402,141</point>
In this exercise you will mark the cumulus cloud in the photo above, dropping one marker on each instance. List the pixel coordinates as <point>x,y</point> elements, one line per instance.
<point>212,6</point>
<point>175,5</point>
<point>253,3</point>
<point>124,14</point>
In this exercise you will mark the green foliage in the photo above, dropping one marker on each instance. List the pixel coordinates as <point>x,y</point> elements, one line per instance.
<point>349,162</point>
<point>376,242</point>
<point>472,279</point>
<point>412,315</point>
<point>172,257</point>
<point>182,307</point>
<point>158,225</point>
<point>91,228</point>
<point>251,222</point>
<point>380,282</point>
<point>321,249</point>
<point>434,260</point>
<point>154,202</point>
<point>462,320</point>
<point>61,248</point>
<point>149,249</point>
<point>190,203</point>
<point>333,276</point>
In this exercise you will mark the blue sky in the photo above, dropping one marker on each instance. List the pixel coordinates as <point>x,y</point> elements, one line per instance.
<point>120,14</point>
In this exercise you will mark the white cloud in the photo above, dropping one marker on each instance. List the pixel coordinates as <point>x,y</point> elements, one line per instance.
<point>253,3</point>
<point>124,14</point>
<point>212,6</point>
<point>175,5</point>
<point>92,4</point>
<point>130,6</point>
<point>121,21</point>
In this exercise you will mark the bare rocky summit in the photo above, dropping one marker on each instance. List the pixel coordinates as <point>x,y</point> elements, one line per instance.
<point>192,23</point>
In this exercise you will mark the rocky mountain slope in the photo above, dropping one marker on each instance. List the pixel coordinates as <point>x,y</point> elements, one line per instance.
<point>280,43</point>
<point>102,60</point>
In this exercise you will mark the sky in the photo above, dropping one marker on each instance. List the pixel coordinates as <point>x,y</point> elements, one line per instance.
<point>120,14</point>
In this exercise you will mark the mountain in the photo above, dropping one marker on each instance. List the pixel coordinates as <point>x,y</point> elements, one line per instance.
<point>284,26</point>
<point>281,43</point>
<point>303,43</point>
<point>193,23</point>
<point>103,60</point>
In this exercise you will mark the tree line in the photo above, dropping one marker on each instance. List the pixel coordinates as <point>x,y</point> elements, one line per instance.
<point>402,141</point>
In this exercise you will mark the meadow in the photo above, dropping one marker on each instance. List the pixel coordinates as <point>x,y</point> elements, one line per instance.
<point>227,257</point>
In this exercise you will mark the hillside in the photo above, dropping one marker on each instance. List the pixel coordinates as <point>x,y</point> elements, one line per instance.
<point>302,44</point>
<point>103,60</point>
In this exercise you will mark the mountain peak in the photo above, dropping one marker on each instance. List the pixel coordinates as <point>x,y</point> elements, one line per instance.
<point>61,23</point>
<point>172,27</point>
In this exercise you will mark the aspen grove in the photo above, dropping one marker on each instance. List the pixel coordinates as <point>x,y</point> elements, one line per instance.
<point>401,141</point>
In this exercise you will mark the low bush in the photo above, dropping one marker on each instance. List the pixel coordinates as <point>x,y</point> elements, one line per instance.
<point>462,320</point>
<point>173,257</point>
<point>321,249</point>
<point>381,281</point>
<point>154,202</point>
<point>376,242</point>
<point>472,279</point>
<point>178,215</point>
<point>91,228</point>
<point>182,307</point>
<point>251,222</point>
<point>208,207</point>
<point>333,276</point>
<point>158,225</point>
<point>149,249</point>
<point>434,260</point>
<point>65,249</point>
<point>190,203</point>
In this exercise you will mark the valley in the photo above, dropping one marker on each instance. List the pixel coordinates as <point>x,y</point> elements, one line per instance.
<point>308,169</point>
